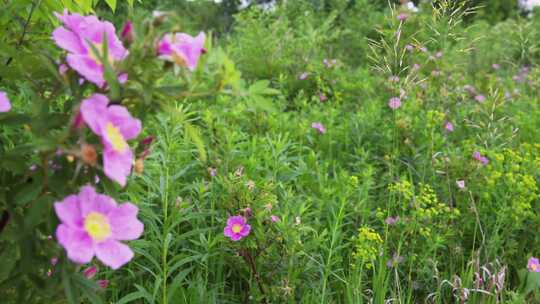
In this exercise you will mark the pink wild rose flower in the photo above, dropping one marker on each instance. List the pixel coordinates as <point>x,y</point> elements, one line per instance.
<point>394,103</point>
<point>319,127</point>
<point>182,49</point>
<point>94,224</point>
<point>533,265</point>
<point>237,228</point>
<point>479,157</point>
<point>115,126</point>
<point>77,36</point>
<point>449,126</point>
<point>5,105</point>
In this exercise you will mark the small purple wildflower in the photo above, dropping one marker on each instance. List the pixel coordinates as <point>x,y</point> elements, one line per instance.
<point>480,98</point>
<point>479,157</point>
<point>322,97</point>
<point>533,265</point>
<point>409,47</point>
<point>449,126</point>
<point>5,105</point>
<point>303,76</point>
<point>495,66</point>
<point>237,228</point>
<point>460,184</point>
<point>394,261</point>
<point>391,220</point>
<point>394,103</point>
<point>274,218</point>
<point>319,127</point>
<point>438,55</point>
<point>402,17</point>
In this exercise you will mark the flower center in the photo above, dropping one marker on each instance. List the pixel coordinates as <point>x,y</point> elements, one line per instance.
<point>97,226</point>
<point>95,57</point>
<point>236,228</point>
<point>534,267</point>
<point>117,140</point>
<point>178,59</point>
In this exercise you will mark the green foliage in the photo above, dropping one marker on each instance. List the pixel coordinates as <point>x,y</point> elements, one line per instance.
<point>368,211</point>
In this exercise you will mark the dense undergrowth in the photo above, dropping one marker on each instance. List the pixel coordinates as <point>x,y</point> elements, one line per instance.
<point>379,155</point>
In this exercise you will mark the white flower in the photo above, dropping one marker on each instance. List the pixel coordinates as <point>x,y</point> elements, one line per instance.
<point>412,7</point>
<point>528,5</point>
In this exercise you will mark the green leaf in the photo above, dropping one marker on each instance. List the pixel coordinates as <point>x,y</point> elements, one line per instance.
<point>532,281</point>
<point>112,4</point>
<point>193,133</point>
<point>131,297</point>
<point>14,119</point>
<point>68,288</point>
<point>28,192</point>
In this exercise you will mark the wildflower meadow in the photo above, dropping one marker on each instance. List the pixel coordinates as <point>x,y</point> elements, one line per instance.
<point>269,151</point>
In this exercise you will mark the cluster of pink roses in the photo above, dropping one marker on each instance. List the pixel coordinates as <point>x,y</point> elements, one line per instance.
<point>93,224</point>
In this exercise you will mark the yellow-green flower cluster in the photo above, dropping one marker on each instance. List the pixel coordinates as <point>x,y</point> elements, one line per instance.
<point>368,245</point>
<point>402,188</point>
<point>511,179</point>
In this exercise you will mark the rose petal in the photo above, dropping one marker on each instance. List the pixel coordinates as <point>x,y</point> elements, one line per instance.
<point>68,211</point>
<point>76,242</point>
<point>124,222</point>
<point>113,253</point>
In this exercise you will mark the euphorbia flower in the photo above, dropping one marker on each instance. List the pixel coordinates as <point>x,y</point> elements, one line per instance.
<point>115,126</point>
<point>533,265</point>
<point>5,105</point>
<point>77,36</point>
<point>182,49</point>
<point>93,224</point>
<point>236,228</point>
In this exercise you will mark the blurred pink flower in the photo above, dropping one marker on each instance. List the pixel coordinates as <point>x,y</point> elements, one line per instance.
<point>5,105</point>
<point>319,127</point>
<point>274,218</point>
<point>94,224</point>
<point>90,272</point>
<point>402,17</point>
<point>78,35</point>
<point>460,184</point>
<point>303,76</point>
<point>62,69</point>
<point>114,125</point>
<point>495,66</point>
<point>394,103</point>
<point>449,126</point>
<point>533,265</point>
<point>391,220</point>
<point>480,98</point>
<point>322,97</point>
<point>103,283</point>
<point>127,31</point>
<point>480,158</point>
<point>182,49</point>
